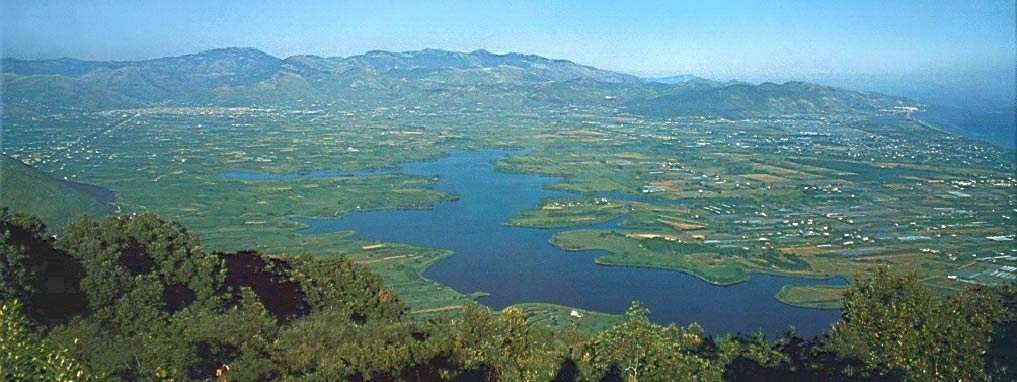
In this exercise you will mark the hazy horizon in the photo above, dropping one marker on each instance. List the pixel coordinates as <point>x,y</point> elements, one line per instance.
<point>738,39</point>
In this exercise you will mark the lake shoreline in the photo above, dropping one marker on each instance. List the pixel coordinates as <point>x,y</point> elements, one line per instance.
<point>515,264</point>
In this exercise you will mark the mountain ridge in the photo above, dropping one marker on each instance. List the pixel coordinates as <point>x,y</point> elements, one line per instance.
<point>239,76</point>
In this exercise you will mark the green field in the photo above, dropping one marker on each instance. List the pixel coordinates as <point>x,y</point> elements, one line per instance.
<point>57,202</point>
<point>558,317</point>
<point>811,296</point>
<point>714,268</point>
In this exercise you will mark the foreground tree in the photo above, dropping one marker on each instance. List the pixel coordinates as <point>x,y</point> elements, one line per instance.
<point>502,346</point>
<point>26,357</point>
<point>640,350</point>
<point>160,308</point>
<point>139,268</point>
<point>16,278</point>
<point>897,328</point>
<point>45,279</point>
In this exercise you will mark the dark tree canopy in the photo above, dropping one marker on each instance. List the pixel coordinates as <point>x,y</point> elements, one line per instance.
<point>141,300</point>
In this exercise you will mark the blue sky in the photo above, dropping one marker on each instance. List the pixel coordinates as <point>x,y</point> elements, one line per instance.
<point>752,40</point>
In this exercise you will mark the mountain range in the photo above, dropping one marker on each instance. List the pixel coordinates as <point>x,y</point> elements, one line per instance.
<point>247,76</point>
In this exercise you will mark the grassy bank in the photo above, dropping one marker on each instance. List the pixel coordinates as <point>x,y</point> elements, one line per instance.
<point>812,296</point>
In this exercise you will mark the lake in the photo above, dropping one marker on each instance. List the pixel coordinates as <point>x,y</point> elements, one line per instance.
<point>518,264</point>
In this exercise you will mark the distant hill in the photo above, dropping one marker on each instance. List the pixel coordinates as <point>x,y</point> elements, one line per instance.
<point>767,99</point>
<point>56,201</point>
<point>250,77</point>
<point>678,79</point>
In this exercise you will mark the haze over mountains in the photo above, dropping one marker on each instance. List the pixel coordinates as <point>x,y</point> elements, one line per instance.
<point>250,77</point>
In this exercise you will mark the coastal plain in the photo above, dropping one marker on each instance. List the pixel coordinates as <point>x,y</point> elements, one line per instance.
<point>799,195</point>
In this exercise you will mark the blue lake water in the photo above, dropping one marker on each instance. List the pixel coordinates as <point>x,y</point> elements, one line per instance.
<point>517,264</point>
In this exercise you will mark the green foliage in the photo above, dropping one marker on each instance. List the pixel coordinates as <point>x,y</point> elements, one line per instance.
<point>1002,354</point>
<point>24,356</point>
<point>139,268</point>
<point>896,326</point>
<point>15,278</point>
<point>503,346</point>
<point>356,329</point>
<point>189,345</point>
<point>16,275</point>
<point>758,349</point>
<point>197,343</point>
<point>327,346</point>
<point>133,262</point>
<point>339,285</point>
<point>31,270</point>
<point>642,350</point>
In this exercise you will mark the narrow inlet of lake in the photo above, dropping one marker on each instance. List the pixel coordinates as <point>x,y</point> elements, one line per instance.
<point>518,264</point>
